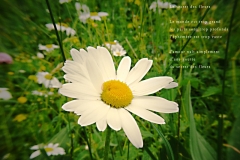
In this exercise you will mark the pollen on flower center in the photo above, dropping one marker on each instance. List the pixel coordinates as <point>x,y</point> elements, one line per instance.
<point>116,94</point>
<point>48,149</point>
<point>93,14</point>
<point>48,76</point>
<point>49,45</point>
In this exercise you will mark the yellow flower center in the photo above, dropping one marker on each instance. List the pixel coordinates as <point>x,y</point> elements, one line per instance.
<point>93,14</point>
<point>22,100</point>
<point>118,53</point>
<point>49,45</point>
<point>116,94</point>
<point>48,149</point>
<point>48,76</point>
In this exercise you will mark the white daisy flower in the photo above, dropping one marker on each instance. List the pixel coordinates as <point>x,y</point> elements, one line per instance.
<point>41,93</point>
<point>48,80</point>
<point>116,48</point>
<point>160,5</point>
<point>119,52</point>
<point>97,15</point>
<point>62,27</point>
<point>70,31</point>
<point>48,47</point>
<point>84,13</point>
<point>105,96</point>
<point>5,94</point>
<point>51,149</point>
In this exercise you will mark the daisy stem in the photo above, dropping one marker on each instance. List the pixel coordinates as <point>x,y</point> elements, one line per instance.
<point>107,143</point>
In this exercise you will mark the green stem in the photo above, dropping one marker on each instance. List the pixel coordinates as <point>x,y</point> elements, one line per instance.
<point>88,144</point>
<point>221,111</point>
<point>55,28</point>
<point>107,143</point>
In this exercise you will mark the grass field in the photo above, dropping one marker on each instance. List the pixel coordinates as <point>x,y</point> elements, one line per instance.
<point>206,68</point>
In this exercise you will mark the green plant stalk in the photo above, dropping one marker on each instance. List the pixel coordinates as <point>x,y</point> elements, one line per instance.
<point>220,119</point>
<point>56,31</point>
<point>107,143</point>
<point>120,148</point>
<point>166,143</point>
<point>88,144</point>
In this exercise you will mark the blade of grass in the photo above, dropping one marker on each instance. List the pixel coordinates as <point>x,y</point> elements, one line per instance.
<point>107,143</point>
<point>166,143</point>
<point>149,153</point>
<point>200,149</point>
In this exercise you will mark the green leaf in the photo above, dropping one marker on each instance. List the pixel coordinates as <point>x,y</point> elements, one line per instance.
<point>211,91</point>
<point>166,143</point>
<point>200,149</point>
<point>62,137</point>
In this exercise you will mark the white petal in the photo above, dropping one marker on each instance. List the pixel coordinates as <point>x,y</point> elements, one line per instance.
<point>150,86</point>
<point>76,55</point>
<point>145,114</point>
<point>113,119</point>
<point>94,74</point>
<point>101,124</point>
<point>77,78</point>
<point>156,104</point>
<point>171,85</point>
<point>85,107</point>
<point>35,154</point>
<point>72,105</point>
<point>123,68</point>
<point>91,116</point>
<point>72,67</point>
<point>95,18</point>
<point>77,90</point>
<point>101,14</point>
<point>138,71</point>
<point>35,147</point>
<point>106,64</point>
<point>131,128</point>
<point>55,145</point>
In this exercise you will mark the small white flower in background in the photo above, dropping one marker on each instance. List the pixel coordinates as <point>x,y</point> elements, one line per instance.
<point>70,31</point>
<point>97,15</point>
<point>116,48</point>
<point>119,52</point>
<point>84,13</point>
<point>64,1</point>
<point>41,93</point>
<point>5,94</point>
<point>40,55</point>
<point>106,96</point>
<point>51,149</point>
<point>48,80</point>
<point>22,71</point>
<point>50,26</point>
<point>48,47</point>
<point>160,5</point>
<point>62,27</point>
